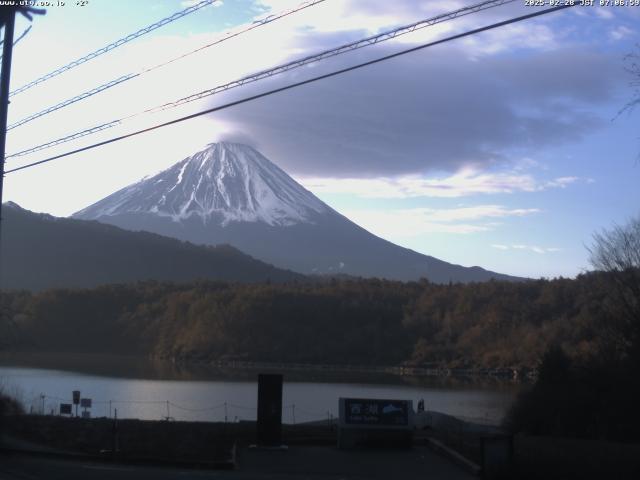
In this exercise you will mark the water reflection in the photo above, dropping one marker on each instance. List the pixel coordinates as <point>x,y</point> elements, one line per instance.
<point>152,389</point>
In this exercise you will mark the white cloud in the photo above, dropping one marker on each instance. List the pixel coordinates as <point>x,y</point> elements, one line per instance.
<point>560,182</point>
<point>620,32</point>
<point>467,181</point>
<point>526,164</point>
<point>604,13</point>
<point>474,213</point>
<point>538,37</point>
<point>393,224</point>
<point>262,48</point>
<point>531,248</point>
<point>238,56</point>
<point>373,17</point>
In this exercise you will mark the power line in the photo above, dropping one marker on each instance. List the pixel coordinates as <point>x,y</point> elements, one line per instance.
<point>297,84</point>
<point>224,37</point>
<point>372,40</point>
<point>70,101</point>
<point>349,47</point>
<point>68,138</point>
<point>22,35</point>
<point>188,409</point>
<point>111,46</point>
<point>234,33</point>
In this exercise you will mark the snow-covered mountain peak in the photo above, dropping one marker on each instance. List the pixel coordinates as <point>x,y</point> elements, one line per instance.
<point>225,182</point>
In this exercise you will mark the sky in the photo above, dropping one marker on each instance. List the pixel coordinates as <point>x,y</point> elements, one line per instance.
<point>507,149</point>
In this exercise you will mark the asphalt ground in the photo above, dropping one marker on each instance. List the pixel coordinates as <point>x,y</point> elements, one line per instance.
<point>295,463</point>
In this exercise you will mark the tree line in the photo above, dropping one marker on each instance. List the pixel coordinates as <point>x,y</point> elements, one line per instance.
<point>339,321</point>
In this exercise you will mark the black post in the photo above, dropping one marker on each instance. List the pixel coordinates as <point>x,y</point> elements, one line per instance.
<point>114,444</point>
<point>269,410</point>
<point>7,51</point>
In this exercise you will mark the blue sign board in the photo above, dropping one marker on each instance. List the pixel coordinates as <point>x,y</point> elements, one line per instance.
<point>360,411</point>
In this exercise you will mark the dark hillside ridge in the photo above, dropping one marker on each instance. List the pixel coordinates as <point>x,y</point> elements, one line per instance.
<point>40,251</point>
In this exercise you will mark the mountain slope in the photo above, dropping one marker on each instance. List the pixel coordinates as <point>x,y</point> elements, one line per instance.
<point>230,193</point>
<point>40,251</point>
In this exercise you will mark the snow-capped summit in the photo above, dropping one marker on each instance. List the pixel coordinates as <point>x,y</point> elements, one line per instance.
<point>226,182</point>
<point>230,193</point>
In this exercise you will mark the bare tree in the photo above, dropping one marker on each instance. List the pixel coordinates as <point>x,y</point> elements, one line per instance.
<point>632,66</point>
<point>617,252</point>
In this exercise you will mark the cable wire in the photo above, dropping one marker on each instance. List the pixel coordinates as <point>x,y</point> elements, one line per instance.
<point>111,46</point>
<point>372,40</point>
<point>349,47</point>
<point>68,138</point>
<point>234,33</point>
<point>240,407</point>
<point>180,407</point>
<point>297,84</point>
<point>157,402</point>
<point>69,101</point>
<point>22,35</point>
<point>224,37</point>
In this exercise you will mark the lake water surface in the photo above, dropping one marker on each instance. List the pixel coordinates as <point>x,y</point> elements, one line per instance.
<point>153,390</point>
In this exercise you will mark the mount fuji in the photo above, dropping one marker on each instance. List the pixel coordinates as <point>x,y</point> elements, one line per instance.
<point>229,193</point>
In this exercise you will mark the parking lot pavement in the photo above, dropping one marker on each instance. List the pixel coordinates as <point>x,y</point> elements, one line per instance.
<point>327,462</point>
<point>296,463</point>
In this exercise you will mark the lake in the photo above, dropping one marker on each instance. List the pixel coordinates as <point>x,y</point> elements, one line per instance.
<point>152,390</point>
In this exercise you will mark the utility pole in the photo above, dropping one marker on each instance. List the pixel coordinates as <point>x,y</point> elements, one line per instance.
<point>7,51</point>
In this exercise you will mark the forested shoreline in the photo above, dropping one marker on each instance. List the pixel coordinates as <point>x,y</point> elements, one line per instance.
<point>339,321</point>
